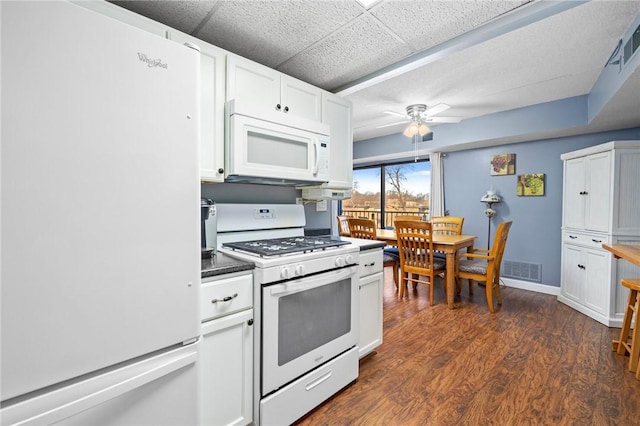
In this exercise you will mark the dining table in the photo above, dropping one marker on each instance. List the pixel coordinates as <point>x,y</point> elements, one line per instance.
<point>449,244</point>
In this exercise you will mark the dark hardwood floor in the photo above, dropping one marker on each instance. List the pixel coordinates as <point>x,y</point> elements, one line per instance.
<point>534,362</point>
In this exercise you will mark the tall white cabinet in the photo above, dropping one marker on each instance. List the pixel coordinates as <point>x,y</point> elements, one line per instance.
<point>601,204</point>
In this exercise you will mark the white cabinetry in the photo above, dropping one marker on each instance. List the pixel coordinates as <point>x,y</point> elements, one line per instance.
<point>226,352</point>
<point>212,77</point>
<point>337,113</point>
<point>588,191</point>
<point>251,83</point>
<point>601,201</point>
<point>371,288</point>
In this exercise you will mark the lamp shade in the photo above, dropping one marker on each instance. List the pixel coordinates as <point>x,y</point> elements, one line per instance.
<point>414,128</point>
<point>423,129</point>
<point>411,130</point>
<point>490,197</point>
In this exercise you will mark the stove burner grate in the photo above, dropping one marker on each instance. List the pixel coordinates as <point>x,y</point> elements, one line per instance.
<point>287,245</point>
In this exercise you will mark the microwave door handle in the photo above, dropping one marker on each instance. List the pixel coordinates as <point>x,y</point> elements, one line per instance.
<point>315,153</point>
<point>309,283</point>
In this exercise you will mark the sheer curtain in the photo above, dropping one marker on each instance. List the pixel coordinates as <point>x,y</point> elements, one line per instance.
<point>436,202</point>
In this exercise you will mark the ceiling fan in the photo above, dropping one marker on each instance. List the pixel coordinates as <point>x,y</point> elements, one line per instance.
<point>418,115</point>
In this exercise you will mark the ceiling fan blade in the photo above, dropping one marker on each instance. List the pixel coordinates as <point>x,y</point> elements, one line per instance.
<point>392,124</point>
<point>396,114</point>
<point>436,109</point>
<point>443,119</point>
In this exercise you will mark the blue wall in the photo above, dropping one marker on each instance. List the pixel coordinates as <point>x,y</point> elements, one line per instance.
<point>535,234</point>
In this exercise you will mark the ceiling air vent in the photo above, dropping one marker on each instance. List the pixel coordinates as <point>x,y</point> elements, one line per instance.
<point>632,45</point>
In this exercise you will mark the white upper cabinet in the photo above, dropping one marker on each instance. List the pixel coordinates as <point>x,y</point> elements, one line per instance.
<point>300,99</point>
<point>601,193</point>
<point>337,113</point>
<point>212,77</point>
<point>263,87</point>
<point>588,192</point>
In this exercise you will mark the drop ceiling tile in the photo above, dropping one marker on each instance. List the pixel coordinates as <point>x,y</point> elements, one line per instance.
<point>424,24</point>
<point>542,62</point>
<point>270,32</point>
<point>355,50</point>
<point>179,14</point>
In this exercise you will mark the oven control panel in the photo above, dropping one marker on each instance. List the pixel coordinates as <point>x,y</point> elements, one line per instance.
<point>307,265</point>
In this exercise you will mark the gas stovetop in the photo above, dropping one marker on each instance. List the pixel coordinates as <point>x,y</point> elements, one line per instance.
<point>287,245</point>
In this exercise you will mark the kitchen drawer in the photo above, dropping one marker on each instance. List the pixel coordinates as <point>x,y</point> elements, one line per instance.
<point>296,399</point>
<point>225,296</point>
<point>370,262</point>
<point>586,240</point>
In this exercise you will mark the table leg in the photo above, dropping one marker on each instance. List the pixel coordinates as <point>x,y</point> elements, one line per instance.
<point>451,279</point>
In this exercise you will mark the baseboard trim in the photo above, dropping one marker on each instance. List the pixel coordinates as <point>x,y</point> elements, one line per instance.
<point>613,322</point>
<point>526,285</point>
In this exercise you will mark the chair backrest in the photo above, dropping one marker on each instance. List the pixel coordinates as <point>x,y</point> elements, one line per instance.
<point>408,217</point>
<point>499,243</point>
<point>415,244</point>
<point>343,226</point>
<point>362,228</point>
<point>451,225</point>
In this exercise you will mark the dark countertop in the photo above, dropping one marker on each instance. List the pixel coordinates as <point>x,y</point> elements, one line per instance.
<point>221,264</point>
<point>365,244</point>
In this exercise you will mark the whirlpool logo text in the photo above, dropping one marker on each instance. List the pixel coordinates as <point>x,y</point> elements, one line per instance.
<point>151,63</point>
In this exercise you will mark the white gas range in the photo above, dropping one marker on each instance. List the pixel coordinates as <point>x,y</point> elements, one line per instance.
<point>306,307</point>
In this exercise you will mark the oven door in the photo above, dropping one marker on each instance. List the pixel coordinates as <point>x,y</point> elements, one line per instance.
<point>306,322</point>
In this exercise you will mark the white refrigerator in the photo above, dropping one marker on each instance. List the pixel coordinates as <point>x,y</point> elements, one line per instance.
<point>100,220</point>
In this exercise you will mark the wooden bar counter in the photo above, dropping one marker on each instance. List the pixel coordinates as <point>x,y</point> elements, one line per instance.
<point>630,253</point>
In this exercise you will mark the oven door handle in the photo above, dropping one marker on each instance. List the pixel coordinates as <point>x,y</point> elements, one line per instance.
<point>302,284</point>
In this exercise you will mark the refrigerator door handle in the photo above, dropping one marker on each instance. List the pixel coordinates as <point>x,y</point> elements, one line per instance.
<point>65,402</point>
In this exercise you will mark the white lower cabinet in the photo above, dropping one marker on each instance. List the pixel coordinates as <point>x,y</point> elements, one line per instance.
<point>226,351</point>
<point>586,274</point>
<point>371,289</point>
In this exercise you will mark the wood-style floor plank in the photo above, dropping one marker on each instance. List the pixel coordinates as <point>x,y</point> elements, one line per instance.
<point>534,362</point>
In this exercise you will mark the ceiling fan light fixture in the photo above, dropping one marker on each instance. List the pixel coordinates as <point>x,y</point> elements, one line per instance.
<point>411,130</point>
<point>423,129</point>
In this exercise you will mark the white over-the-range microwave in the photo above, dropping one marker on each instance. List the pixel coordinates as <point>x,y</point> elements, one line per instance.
<point>273,147</point>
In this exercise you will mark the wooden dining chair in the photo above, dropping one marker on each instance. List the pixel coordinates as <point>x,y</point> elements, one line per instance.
<point>484,265</point>
<point>450,225</point>
<point>343,226</point>
<point>408,217</point>
<point>415,246</point>
<point>366,229</point>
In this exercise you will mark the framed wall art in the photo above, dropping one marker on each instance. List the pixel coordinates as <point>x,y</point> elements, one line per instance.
<point>530,185</point>
<point>503,164</point>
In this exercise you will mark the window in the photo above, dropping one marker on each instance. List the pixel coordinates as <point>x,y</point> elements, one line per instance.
<point>385,192</point>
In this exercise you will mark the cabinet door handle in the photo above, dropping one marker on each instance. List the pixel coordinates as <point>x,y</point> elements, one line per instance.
<point>581,266</point>
<point>225,299</point>
<point>250,321</point>
<point>596,241</point>
<point>278,107</point>
<point>286,109</point>
<point>573,237</point>
<point>369,264</point>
